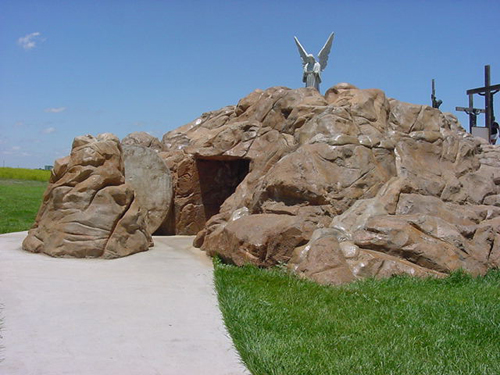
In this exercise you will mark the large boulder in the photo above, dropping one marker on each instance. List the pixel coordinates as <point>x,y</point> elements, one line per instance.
<point>343,186</point>
<point>339,187</point>
<point>142,139</point>
<point>97,203</point>
<point>150,178</point>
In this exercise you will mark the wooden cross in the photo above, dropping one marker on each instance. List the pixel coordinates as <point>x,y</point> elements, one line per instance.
<point>472,112</point>
<point>487,91</point>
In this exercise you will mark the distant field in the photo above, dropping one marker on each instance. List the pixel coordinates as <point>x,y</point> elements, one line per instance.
<point>24,174</point>
<point>21,193</point>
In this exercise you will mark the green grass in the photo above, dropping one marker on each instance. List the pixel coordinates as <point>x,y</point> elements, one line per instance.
<point>402,325</point>
<point>19,204</point>
<point>24,174</point>
<point>21,193</point>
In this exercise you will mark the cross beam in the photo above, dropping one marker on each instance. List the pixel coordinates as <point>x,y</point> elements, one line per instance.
<point>470,111</point>
<point>480,90</point>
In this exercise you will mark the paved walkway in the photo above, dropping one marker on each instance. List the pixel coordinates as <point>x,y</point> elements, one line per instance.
<point>150,313</point>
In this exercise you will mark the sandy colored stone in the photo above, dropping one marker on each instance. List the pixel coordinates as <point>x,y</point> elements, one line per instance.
<point>343,186</point>
<point>142,139</point>
<point>149,176</point>
<point>322,259</point>
<point>402,186</point>
<point>262,239</point>
<point>88,209</point>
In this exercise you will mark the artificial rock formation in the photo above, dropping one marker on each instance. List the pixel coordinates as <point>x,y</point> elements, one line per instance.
<point>142,139</point>
<point>102,201</point>
<point>339,187</point>
<point>150,178</point>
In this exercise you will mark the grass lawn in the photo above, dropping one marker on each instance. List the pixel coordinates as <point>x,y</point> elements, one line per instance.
<point>19,203</point>
<point>21,193</point>
<point>283,325</point>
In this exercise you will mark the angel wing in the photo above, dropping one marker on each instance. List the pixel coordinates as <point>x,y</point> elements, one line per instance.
<point>325,51</point>
<point>302,51</point>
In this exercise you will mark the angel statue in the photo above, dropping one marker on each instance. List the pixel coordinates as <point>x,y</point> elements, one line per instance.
<point>312,68</point>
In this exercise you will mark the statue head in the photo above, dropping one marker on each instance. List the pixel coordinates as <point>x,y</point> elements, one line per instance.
<point>310,58</point>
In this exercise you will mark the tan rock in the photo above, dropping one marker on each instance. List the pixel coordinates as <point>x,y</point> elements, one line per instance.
<point>322,260</point>
<point>89,210</point>
<point>342,186</point>
<point>143,139</point>
<point>149,176</point>
<point>262,239</point>
<point>396,178</point>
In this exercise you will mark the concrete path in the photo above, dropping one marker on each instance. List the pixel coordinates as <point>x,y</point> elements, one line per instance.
<point>150,313</point>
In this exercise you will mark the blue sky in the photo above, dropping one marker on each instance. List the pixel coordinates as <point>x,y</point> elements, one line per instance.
<point>86,67</point>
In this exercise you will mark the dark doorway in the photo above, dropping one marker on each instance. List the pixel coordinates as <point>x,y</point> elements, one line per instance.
<point>218,180</point>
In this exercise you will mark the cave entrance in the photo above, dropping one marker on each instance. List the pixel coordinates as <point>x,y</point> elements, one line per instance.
<point>218,180</point>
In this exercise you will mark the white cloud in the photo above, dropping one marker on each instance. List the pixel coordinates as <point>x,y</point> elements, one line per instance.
<point>49,130</point>
<point>16,148</point>
<point>55,110</point>
<point>29,41</point>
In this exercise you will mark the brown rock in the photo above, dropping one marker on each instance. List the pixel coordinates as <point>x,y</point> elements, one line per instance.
<point>150,178</point>
<point>414,238</point>
<point>143,139</point>
<point>320,174</point>
<point>403,183</point>
<point>322,260</point>
<point>89,210</point>
<point>342,186</point>
<point>262,239</point>
<point>380,265</point>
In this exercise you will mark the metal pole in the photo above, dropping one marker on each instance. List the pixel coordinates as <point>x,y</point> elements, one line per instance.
<point>487,97</point>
